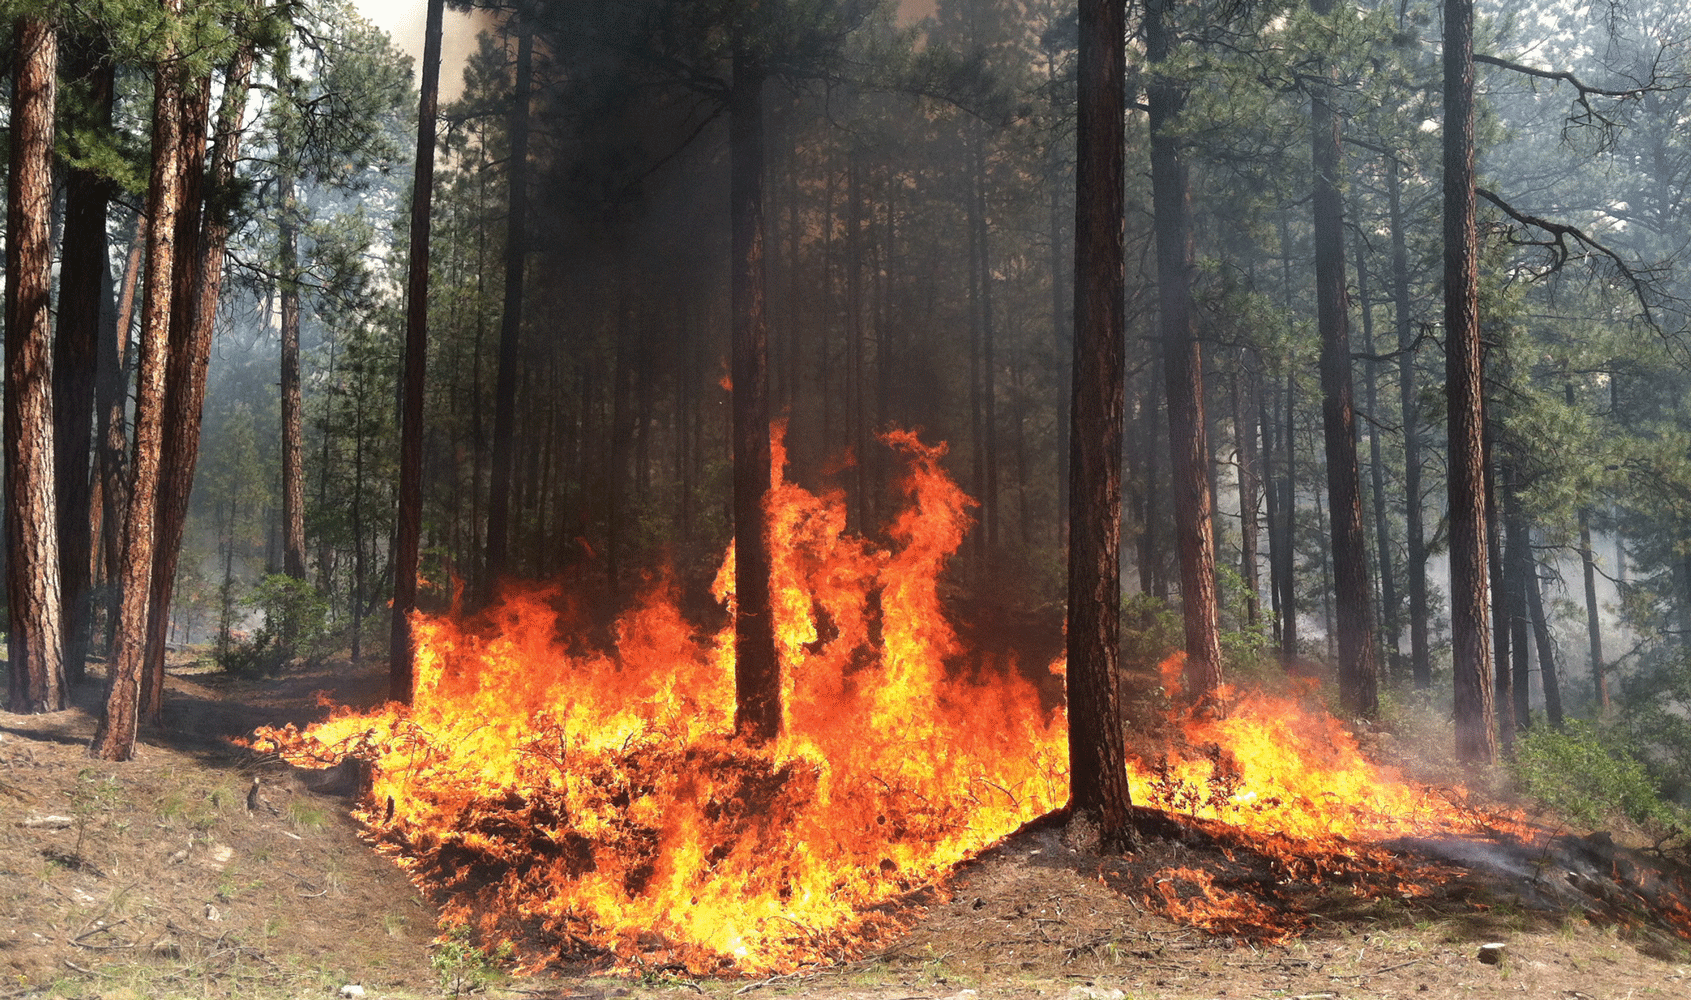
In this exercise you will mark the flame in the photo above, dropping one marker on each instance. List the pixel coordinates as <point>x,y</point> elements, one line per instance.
<point>581,801</point>
<point>598,796</point>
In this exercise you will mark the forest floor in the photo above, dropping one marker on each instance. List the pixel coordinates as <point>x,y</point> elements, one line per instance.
<point>155,879</point>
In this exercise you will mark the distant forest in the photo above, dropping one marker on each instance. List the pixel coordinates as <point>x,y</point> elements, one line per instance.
<point>209,256</point>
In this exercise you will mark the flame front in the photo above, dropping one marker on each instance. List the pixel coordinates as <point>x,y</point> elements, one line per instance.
<point>592,801</point>
<point>599,797</point>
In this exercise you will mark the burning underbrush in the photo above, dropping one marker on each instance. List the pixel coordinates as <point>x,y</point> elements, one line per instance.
<point>587,804</point>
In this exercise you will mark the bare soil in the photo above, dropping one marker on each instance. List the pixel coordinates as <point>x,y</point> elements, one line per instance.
<point>169,876</point>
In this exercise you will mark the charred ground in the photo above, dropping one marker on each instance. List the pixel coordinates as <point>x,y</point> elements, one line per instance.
<point>158,880</point>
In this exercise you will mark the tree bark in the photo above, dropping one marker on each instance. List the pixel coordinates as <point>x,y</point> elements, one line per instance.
<point>181,394</point>
<point>1389,624</point>
<point>408,527</point>
<point>1358,674</point>
<point>1549,676</point>
<point>203,236</point>
<point>1245,430</point>
<point>1476,739</point>
<point>1097,744</point>
<point>35,640</point>
<point>1183,370</point>
<point>114,735</point>
<point>757,672</point>
<point>288,284</point>
<point>84,283</point>
<point>510,321</point>
<point>1409,403</point>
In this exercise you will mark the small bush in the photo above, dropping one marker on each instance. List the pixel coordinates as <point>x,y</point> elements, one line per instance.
<point>1588,778</point>
<point>295,627</point>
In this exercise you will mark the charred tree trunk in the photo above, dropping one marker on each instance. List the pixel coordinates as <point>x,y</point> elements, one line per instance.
<point>510,322</point>
<point>1183,370</point>
<point>1097,751</point>
<point>35,641</point>
<point>408,526</point>
<point>757,673</point>
<point>1358,674</point>
<point>114,736</point>
<point>84,283</point>
<point>1476,740</point>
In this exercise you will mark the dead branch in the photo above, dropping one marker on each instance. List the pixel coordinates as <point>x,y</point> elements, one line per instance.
<point>1558,243</point>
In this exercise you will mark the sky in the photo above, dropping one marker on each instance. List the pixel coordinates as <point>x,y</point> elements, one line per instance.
<point>403,19</point>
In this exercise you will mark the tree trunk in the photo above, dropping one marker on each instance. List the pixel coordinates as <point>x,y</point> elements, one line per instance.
<point>510,322</point>
<point>1245,431</point>
<point>202,235</point>
<point>1593,622</point>
<point>1377,481</point>
<point>84,282</point>
<point>1519,566</point>
<point>1503,686</point>
<point>1420,655</point>
<point>409,523</point>
<point>1358,674</point>
<point>292,412</point>
<point>1097,751</point>
<point>114,736</point>
<point>757,673</point>
<point>1476,739</point>
<point>180,445</point>
<point>1548,675</point>
<point>35,640</point>
<point>1183,371</point>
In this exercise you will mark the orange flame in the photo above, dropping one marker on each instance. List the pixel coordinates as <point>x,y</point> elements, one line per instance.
<point>599,795</point>
<point>580,801</point>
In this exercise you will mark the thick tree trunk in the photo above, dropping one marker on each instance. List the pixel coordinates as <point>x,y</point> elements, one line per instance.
<point>180,446</point>
<point>1476,739</point>
<point>409,523</point>
<point>757,673</point>
<point>1409,403</point>
<point>1183,371</point>
<point>1097,745</point>
<point>203,235</point>
<point>1358,674</point>
<point>35,640</point>
<point>84,284</point>
<point>510,322</point>
<point>114,736</point>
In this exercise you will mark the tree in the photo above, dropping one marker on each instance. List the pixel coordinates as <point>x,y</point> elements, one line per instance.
<point>1183,365</point>
<point>35,651</point>
<point>114,735</point>
<point>1358,681</point>
<point>202,236</point>
<point>757,672</point>
<point>408,528</point>
<point>1097,769</point>
<point>510,322</point>
<point>1476,737</point>
<point>84,293</point>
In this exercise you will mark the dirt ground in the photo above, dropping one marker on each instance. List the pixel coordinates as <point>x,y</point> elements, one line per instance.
<point>170,876</point>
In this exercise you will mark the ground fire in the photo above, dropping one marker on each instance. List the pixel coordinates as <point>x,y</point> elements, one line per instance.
<point>590,803</point>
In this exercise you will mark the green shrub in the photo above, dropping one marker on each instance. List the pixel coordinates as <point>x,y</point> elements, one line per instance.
<point>295,627</point>
<point>1588,777</point>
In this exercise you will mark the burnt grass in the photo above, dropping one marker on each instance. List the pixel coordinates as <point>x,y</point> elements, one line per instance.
<point>155,879</point>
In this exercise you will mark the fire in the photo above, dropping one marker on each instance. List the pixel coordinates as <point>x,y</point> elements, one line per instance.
<point>579,801</point>
<point>597,795</point>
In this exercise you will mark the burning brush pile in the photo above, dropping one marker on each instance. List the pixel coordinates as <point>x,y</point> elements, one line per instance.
<point>585,803</point>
